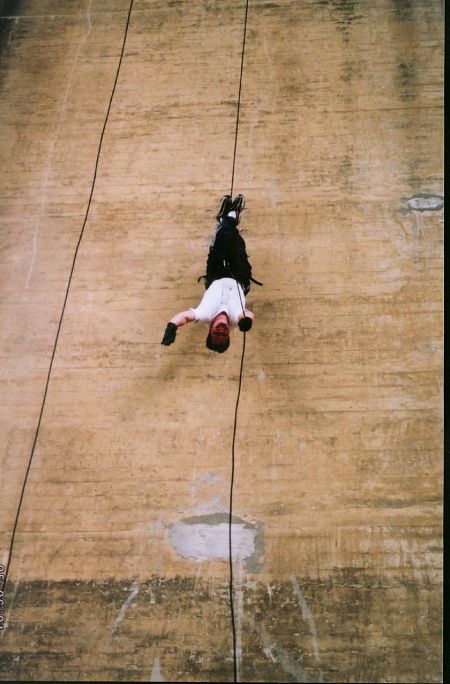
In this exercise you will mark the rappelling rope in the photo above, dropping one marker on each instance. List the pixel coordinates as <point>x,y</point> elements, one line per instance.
<point>11,545</point>
<point>230,548</point>
<point>239,97</point>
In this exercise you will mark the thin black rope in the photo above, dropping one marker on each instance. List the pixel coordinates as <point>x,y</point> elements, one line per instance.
<point>19,508</point>
<point>230,547</point>
<point>233,622</point>
<point>239,97</point>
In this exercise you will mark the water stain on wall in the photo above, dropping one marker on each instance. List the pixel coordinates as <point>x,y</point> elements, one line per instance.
<point>9,13</point>
<point>289,633</point>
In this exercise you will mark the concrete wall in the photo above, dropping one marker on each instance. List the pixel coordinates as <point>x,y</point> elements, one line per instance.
<point>119,567</point>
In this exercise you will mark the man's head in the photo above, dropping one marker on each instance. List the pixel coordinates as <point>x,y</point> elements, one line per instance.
<point>219,333</point>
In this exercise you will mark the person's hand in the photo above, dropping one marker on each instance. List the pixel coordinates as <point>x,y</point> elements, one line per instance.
<point>245,324</point>
<point>169,335</point>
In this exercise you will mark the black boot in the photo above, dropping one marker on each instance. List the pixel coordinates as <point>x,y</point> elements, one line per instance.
<point>225,206</point>
<point>238,204</point>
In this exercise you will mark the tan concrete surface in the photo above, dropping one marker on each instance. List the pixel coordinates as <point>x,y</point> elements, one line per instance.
<point>119,568</point>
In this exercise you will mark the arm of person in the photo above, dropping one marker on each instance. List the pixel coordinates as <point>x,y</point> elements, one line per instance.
<point>245,322</point>
<point>183,317</point>
<point>248,314</point>
<point>173,325</point>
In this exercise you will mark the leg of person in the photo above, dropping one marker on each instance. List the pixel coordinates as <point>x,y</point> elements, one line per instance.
<point>230,244</point>
<point>217,261</point>
<point>225,206</point>
<point>227,254</point>
<point>225,216</point>
<point>227,224</point>
<point>230,210</point>
<point>238,204</point>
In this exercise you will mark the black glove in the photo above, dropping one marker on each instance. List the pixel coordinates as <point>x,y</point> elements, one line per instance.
<point>245,324</point>
<point>170,334</point>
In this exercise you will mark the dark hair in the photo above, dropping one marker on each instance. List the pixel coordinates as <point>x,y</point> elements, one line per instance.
<point>217,347</point>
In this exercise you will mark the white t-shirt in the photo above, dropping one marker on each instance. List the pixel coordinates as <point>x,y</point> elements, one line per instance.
<point>221,295</point>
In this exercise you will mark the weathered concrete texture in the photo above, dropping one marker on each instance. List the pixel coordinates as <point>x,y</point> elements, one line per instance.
<point>117,630</point>
<point>337,498</point>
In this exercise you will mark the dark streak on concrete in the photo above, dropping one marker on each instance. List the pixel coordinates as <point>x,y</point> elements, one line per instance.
<point>405,80</point>
<point>9,11</point>
<point>10,8</point>
<point>350,71</point>
<point>394,503</point>
<point>346,171</point>
<point>403,10</point>
<point>344,14</point>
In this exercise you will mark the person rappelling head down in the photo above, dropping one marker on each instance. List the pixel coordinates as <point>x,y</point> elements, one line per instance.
<point>227,281</point>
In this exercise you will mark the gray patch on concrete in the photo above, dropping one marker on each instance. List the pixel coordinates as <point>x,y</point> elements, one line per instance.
<point>134,591</point>
<point>309,619</point>
<point>156,675</point>
<point>276,653</point>
<point>423,201</point>
<point>204,537</point>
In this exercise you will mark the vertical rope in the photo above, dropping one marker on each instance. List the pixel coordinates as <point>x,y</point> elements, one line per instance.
<point>230,547</point>
<point>239,97</point>
<point>233,623</point>
<point>19,508</point>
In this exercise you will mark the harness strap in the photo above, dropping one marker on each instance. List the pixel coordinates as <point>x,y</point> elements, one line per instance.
<point>251,278</point>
